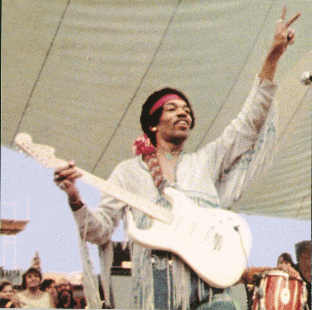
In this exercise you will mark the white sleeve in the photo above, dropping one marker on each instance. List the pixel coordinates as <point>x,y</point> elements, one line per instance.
<point>246,145</point>
<point>98,225</point>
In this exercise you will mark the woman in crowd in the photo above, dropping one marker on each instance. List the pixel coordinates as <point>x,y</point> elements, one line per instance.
<point>32,296</point>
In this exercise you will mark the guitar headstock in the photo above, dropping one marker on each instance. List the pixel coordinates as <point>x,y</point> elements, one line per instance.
<point>44,154</point>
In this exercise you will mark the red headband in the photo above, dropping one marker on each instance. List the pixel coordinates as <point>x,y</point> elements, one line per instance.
<point>160,102</point>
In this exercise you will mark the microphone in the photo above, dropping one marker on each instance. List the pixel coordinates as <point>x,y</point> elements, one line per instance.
<point>306,78</point>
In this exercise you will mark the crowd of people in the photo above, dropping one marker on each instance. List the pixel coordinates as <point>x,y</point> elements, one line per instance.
<point>39,293</point>
<point>42,293</point>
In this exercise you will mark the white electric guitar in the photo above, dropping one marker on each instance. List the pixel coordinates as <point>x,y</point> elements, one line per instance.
<point>215,243</point>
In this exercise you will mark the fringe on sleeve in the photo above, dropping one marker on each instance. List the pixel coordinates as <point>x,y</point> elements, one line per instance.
<point>251,163</point>
<point>89,277</point>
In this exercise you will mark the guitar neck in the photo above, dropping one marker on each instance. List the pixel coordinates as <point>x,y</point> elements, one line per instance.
<point>138,202</point>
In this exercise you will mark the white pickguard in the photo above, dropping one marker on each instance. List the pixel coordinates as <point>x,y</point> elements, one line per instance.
<point>215,243</point>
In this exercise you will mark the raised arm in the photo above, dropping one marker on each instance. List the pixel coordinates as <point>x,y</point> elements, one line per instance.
<point>284,36</point>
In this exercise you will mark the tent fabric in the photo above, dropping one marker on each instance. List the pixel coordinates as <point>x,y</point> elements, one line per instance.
<point>75,74</point>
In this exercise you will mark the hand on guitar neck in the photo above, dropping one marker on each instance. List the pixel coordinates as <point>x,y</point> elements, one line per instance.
<point>65,178</point>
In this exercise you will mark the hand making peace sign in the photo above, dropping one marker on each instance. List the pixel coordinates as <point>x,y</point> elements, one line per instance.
<point>284,34</point>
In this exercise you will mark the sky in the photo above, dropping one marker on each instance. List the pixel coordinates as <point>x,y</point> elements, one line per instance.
<point>28,192</point>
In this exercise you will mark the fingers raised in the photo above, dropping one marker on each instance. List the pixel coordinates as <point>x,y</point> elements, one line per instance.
<point>283,13</point>
<point>295,17</point>
<point>283,16</point>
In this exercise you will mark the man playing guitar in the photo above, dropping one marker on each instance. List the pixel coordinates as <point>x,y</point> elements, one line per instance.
<point>213,177</point>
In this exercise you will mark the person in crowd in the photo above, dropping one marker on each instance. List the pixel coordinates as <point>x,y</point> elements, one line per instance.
<point>66,299</point>
<point>303,256</point>
<point>285,262</point>
<point>32,296</point>
<point>8,298</point>
<point>63,284</point>
<point>49,285</point>
<point>214,176</point>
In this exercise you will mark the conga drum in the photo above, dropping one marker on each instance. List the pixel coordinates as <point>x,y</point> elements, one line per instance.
<point>278,291</point>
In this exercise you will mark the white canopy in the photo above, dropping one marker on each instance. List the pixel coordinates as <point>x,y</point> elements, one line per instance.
<point>76,72</point>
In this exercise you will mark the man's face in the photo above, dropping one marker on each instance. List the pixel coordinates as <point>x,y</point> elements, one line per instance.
<point>175,121</point>
<point>64,286</point>
<point>64,295</point>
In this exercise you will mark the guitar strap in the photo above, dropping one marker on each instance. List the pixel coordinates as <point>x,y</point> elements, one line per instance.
<point>143,146</point>
<point>153,164</point>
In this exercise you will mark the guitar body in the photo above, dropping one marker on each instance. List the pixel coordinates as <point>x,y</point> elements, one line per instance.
<point>215,243</point>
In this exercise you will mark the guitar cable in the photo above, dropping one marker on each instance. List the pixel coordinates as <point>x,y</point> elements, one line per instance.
<point>236,228</point>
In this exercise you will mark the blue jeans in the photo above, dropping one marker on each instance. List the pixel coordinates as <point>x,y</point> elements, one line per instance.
<point>221,301</point>
<point>217,299</point>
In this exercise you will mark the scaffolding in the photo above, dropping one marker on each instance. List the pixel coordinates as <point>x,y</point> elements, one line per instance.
<point>11,227</point>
